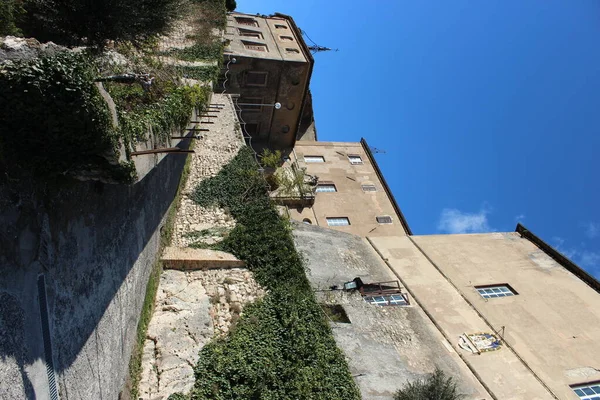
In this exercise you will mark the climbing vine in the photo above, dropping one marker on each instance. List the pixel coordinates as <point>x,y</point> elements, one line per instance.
<point>282,346</point>
<point>54,120</point>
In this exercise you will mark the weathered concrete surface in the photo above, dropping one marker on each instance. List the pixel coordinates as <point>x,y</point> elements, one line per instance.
<point>502,371</point>
<point>554,321</point>
<point>212,152</point>
<point>191,307</point>
<point>186,258</point>
<point>96,245</point>
<point>385,346</point>
<point>194,305</point>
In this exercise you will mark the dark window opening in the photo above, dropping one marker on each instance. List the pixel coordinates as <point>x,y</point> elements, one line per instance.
<point>255,78</point>
<point>336,313</point>
<point>246,21</point>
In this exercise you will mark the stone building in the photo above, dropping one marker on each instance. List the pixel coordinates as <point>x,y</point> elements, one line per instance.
<point>266,61</point>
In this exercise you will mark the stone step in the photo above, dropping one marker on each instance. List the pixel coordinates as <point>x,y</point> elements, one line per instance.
<point>188,259</point>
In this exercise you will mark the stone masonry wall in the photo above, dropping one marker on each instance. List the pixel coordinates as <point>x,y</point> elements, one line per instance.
<point>193,306</point>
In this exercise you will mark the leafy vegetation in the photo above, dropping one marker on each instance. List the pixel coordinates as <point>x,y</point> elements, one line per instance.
<point>54,120</point>
<point>282,346</point>
<point>199,51</point>
<point>11,13</point>
<point>230,5</point>
<point>202,73</point>
<point>436,387</point>
<point>93,22</point>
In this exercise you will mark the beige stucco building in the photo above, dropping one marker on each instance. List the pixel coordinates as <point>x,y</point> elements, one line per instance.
<point>504,313</point>
<point>266,62</point>
<point>542,307</point>
<point>352,195</point>
<point>523,319</point>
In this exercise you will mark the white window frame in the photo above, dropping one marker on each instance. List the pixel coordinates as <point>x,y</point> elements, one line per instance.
<point>398,300</point>
<point>386,219</point>
<point>495,291</point>
<point>355,159</point>
<point>387,300</point>
<point>314,159</point>
<point>587,391</point>
<point>371,188</point>
<point>325,188</point>
<point>338,221</point>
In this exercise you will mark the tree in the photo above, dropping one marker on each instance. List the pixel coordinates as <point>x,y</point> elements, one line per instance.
<point>230,5</point>
<point>435,387</point>
<point>93,22</point>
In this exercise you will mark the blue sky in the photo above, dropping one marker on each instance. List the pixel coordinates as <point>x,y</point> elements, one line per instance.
<point>489,111</point>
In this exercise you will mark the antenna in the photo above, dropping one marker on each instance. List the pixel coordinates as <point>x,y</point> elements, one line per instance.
<point>375,150</point>
<point>315,48</point>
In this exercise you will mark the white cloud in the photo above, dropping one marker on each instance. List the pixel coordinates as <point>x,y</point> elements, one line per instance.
<point>592,229</point>
<point>456,221</point>
<point>589,259</point>
<point>519,217</point>
<point>559,244</point>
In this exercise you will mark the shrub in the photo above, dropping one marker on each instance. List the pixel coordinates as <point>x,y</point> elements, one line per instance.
<point>435,387</point>
<point>230,5</point>
<point>282,346</point>
<point>11,12</point>
<point>76,21</point>
<point>53,117</point>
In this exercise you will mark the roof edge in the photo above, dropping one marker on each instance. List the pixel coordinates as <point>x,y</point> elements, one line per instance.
<point>403,221</point>
<point>311,63</point>
<point>558,257</point>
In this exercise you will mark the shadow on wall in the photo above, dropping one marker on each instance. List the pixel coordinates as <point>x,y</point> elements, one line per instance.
<point>95,245</point>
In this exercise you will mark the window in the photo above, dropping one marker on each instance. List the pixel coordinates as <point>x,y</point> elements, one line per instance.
<point>255,46</point>
<point>338,221</point>
<point>488,292</point>
<point>384,219</point>
<point>290,50</point>
<point>255,78</point>
<point>307,221</point>
<point>388,300</point>
<point>355,160</point>
<point>590,391</point>
<point>326,187</point>
<point>252,128</point>
<point>250,104</point>
<point>246,21</point>
<point>250,33</point>
<point>286,38</point>
<point>368,188</point>
<point>314,159</point>
<point>281,27</point>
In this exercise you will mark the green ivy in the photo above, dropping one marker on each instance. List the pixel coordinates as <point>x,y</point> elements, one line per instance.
<point>198,52</point>
<point>203,73</point>
<point>54,120</point>
<point>282,346</point>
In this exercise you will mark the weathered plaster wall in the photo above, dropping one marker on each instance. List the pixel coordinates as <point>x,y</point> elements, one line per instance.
<point>502,371</point>
<point>553,323</point>
<point>96,245</point>
<point>385,346</point>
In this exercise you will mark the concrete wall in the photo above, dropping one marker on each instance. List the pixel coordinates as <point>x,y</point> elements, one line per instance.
<point>550,328</point>
<point>95,244</point>
<point>553,323</point>
<point>350,200</point>
<point>385,346</point>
